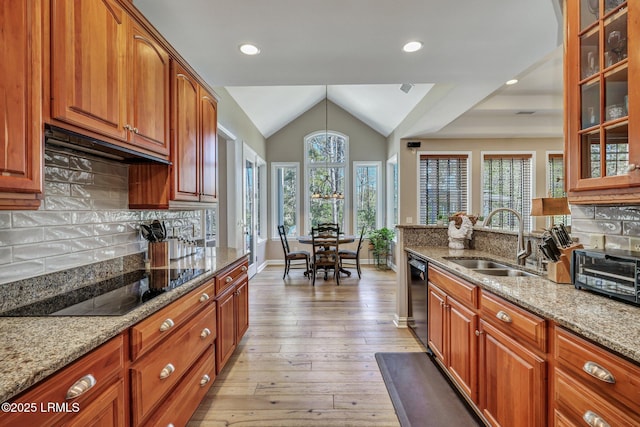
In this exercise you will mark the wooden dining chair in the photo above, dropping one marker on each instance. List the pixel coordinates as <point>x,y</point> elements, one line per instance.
<point>290,256</point>
<point>325,243</point>
<point>347,254</point>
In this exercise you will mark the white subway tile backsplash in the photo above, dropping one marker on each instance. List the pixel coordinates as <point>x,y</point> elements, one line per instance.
<point>21,270</point>
<point>84,218</point>
<point>5,255</point>
<point>624,213</point>
<point>69,232</point>
<point>39,218</point>
<point>69,260</point>
<point>631,228</point>
<point>601,227</point>
<point>5,220</point>
<point>41,250</point>
<point>21,236</point>
<point>583,211</point>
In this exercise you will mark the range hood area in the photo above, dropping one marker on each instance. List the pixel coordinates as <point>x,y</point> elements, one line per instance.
<point>55,136</point>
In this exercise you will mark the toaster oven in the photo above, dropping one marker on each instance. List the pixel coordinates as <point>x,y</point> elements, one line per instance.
<point>613,273</point>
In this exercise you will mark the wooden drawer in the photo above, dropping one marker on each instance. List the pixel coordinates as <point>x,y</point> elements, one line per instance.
<point>576,402</point>
<point>620,379</point>
<point>161,324</point>
<point>518,323</point>
<point>178,408</point>
<point>229,277</point>
<point>102,364</point>
<point>155,374</point>
<point>462,291</point>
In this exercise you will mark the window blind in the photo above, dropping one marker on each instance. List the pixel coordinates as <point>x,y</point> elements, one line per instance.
<point>507,184</point>
<point>443,186</point>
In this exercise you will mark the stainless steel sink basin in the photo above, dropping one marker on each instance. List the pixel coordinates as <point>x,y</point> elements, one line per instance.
<point>505,272</point>
<point>490,267</point>
<point>477,263</point>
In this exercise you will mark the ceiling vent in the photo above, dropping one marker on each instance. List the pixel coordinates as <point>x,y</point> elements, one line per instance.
<point>406,87</point>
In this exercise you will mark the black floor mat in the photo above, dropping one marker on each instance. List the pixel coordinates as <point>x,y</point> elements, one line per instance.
<point>421,395</point>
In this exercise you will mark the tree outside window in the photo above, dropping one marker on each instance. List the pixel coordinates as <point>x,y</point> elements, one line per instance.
<point>285,177</point>
<point>367,195</point>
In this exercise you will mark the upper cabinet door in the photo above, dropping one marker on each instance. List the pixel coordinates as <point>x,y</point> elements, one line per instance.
<point>209,147</point>
<point>21,137</point>
<point>149,88</point>
<point>88,65</point>
<point>184,149</point>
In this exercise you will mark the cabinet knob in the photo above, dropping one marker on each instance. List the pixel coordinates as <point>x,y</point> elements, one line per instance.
<point>81,386</point>
<point>597,371</point>
<point>167,370</point>
<point>205,379</point>
<point>127,127</point>
<point>478,333</point>
<point>504,317</point>
<point>244,268</point>
<point>166,325</point>
<point>204,297</point>
<point>631,167</point>
<point>205,333</point>
<point>228,279</point>
<point>594,420</point>
<point>135,130</point>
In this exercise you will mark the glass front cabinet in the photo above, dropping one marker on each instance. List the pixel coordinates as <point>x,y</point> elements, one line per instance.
<point>602,93</point>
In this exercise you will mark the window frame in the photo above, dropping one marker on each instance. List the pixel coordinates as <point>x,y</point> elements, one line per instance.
<point>307,170</point>
<point>508,153</point>
<point>274,194</point>
<point>379,211</point>
<point>469,155</point>
<point>548,184</point>
<point>393,193</point>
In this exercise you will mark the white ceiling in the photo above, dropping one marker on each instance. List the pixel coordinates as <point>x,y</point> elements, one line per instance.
<point>354,47</point>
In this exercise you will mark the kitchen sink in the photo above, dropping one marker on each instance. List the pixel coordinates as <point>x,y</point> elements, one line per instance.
<point>489,267</point>
<point>505,272</point>
<point>477,263</point>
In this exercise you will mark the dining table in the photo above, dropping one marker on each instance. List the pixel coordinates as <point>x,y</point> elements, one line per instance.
<point>342,239</point>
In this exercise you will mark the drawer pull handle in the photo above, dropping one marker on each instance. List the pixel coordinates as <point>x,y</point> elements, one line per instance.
<point>244,268</point>
<point>504,317</point>
<point>597,371</point>
<point>205,333</point>
<point>81,386</point>
<point>166,325</point>
<point>166,371</point>
<point>204,297</point>
<point>228,279</point>
<point>170,425</point>
<point>205,379</point>
<point>478,333</point>
<point>594,420</point>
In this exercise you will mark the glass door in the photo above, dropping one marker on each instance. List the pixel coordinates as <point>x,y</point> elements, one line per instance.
<point>253,208</point>
<point>249,213</point>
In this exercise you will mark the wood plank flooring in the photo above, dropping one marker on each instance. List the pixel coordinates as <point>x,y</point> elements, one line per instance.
<point>308,356</point>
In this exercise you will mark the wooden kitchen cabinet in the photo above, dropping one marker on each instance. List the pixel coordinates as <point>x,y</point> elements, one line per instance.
<point>192,177</point>
<point>98,380</point>
<point>21,132</point>
<point>452,326</point>
<point>591,382</point>
<point>602,96</point>
<point>512,364</point>
<point>233,312</point>
<point>109,76</point>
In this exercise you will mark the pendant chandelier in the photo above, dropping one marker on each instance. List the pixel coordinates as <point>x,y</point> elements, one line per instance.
<point>321,191</point>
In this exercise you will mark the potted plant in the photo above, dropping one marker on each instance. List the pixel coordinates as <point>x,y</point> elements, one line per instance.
<point>441,219</point>
<point>380,241</point>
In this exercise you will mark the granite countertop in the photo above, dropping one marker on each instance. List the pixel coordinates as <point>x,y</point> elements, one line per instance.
<point>614,325</point>
<point>32,348</point>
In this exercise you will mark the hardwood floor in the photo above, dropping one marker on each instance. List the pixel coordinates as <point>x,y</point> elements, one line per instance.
<point>308,356</point>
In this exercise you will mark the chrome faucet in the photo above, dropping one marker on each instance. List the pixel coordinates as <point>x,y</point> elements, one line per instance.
<point>522,253</point>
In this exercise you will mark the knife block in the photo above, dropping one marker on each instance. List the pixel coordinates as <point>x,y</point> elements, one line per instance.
<point>159,254</point>
<point>560,271</point>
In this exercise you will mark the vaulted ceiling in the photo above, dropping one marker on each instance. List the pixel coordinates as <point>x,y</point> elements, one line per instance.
<point>351,50</point>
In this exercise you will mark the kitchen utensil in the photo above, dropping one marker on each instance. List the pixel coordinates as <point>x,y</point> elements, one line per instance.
<point>565,233</point>
<point>147,233</point>
<point>553,247</point>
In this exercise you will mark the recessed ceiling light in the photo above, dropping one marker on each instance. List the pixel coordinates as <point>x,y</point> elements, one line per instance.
<point>249,49</point>
<point>512,82</point>
<point>412,46</point>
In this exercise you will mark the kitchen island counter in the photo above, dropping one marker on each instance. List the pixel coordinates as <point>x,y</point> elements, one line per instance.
<point>612,324</point>
<point>33,348</point>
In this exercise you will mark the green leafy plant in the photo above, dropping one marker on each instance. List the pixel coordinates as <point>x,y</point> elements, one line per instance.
<point>381,239</point>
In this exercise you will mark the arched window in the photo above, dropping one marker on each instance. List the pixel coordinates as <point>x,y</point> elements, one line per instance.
<point>326,164</point>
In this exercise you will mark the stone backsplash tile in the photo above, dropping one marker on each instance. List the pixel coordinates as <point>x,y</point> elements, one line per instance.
<point>5,255</point>
<point>5,220</point>
<point>601,227</point>
<point>616,242</point>
<point>623,213</point>
<point>631,228</point>
<point>40,218</point>
<point>582,211</point>
<point>21,236</point>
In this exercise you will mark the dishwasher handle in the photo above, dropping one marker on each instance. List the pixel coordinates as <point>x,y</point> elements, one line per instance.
<point>419,265</point>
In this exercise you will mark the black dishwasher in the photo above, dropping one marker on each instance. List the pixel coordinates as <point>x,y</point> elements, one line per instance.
<point>417,290</point>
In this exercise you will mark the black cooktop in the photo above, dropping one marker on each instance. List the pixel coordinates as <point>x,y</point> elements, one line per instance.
<point>112,297</point>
